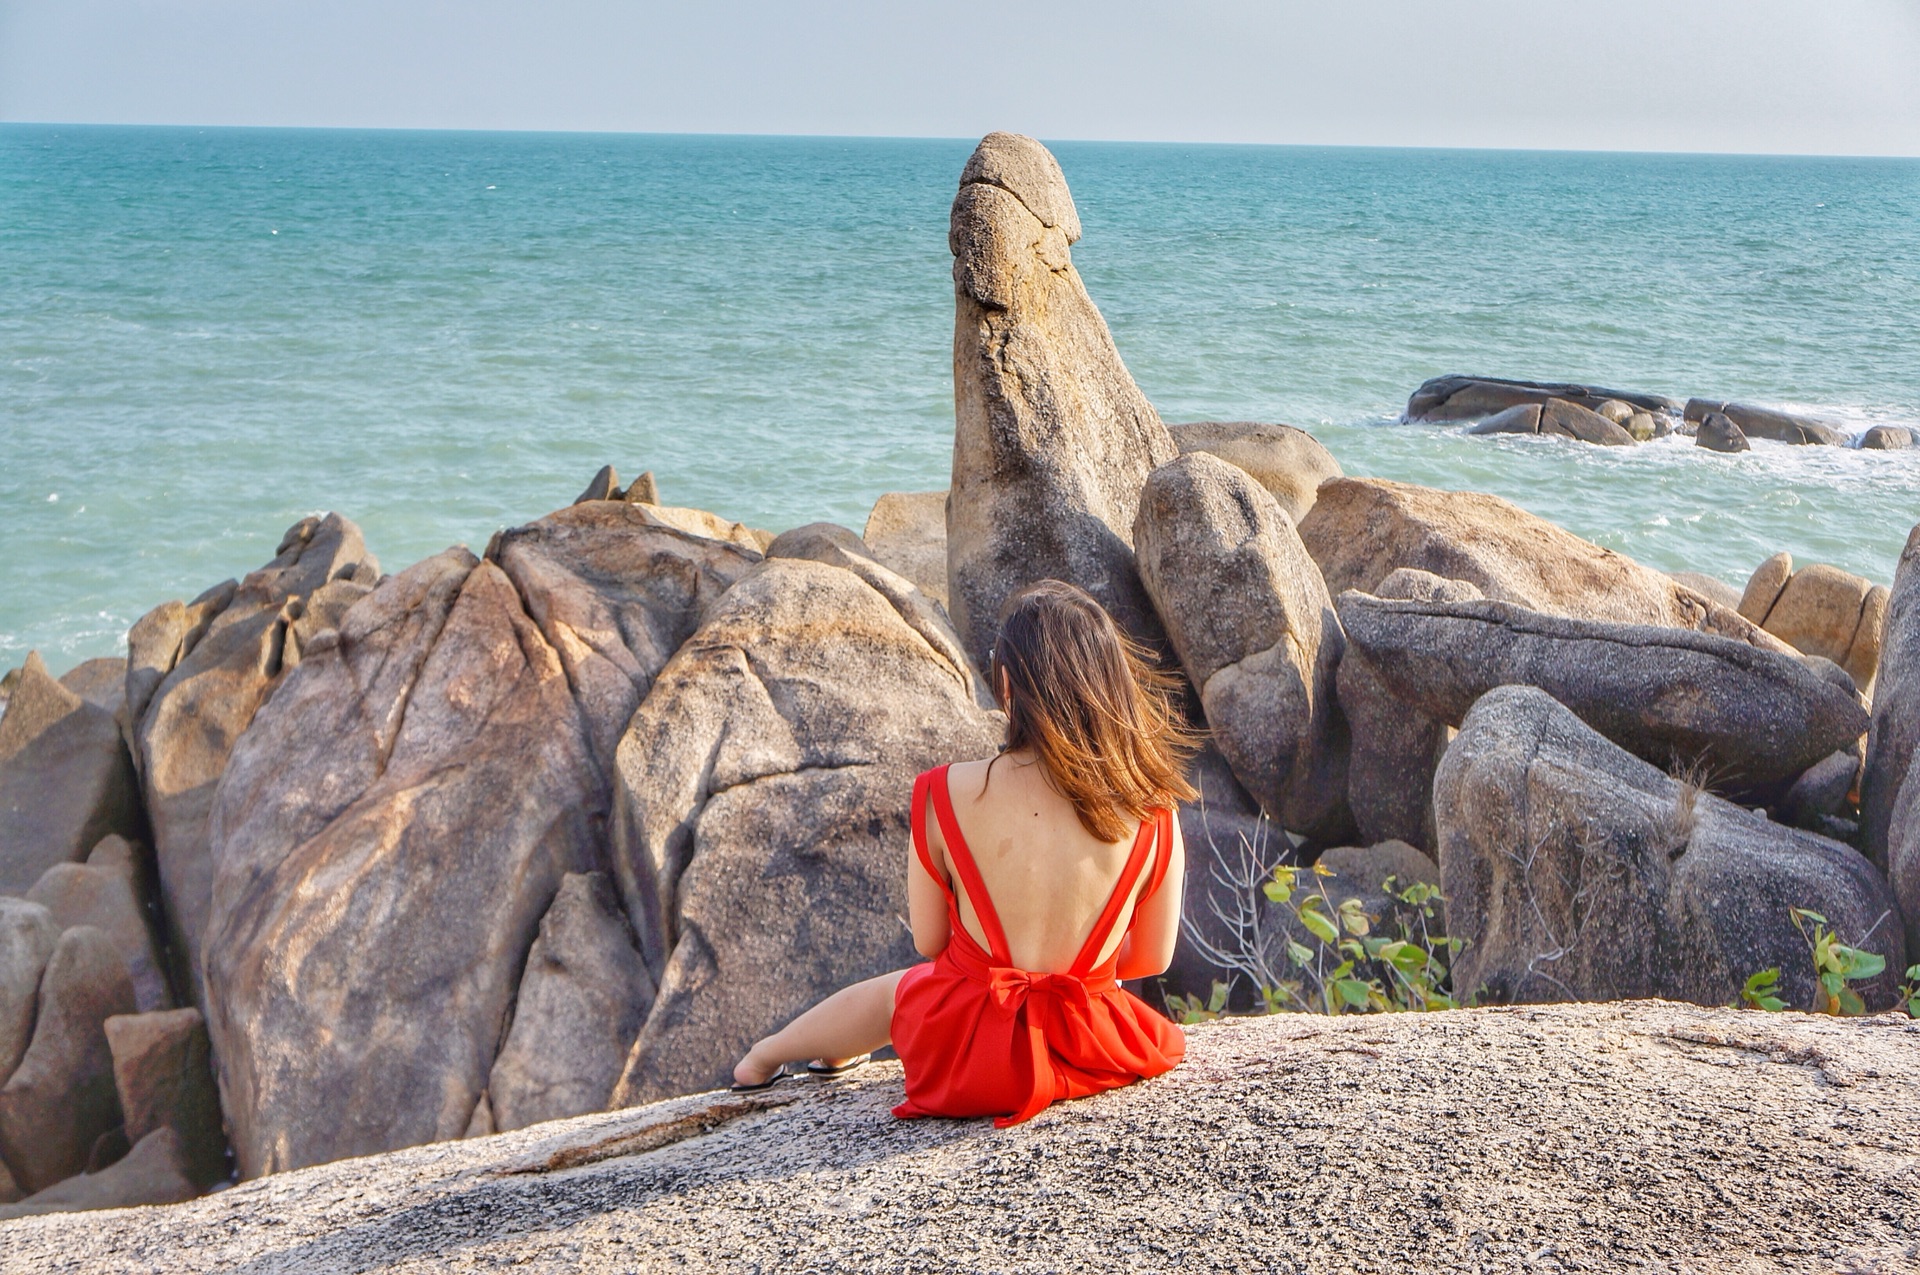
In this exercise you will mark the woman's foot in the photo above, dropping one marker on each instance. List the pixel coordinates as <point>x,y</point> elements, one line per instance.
<point>756,1070</point>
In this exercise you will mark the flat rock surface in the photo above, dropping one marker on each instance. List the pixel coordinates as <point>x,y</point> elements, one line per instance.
<point>1645,1136</point>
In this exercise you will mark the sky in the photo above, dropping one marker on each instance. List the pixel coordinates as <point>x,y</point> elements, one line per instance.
<point>1769,76</point>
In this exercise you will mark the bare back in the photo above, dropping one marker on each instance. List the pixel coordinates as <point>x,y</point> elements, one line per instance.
<point>1048,877</point>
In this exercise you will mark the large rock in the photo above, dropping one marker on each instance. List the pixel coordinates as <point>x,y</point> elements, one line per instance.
<point>1888,438</point>
<point>1711,588</point>
<point>1289,462</point>
<point>101,682</point>
<point>27,938</point>
<point>582,1000</point>
<point>1903,852</point>
<point>155,1171</point>
<point>1767,422</point>
<point>61,1096</point>
<point>402,814</point>
<point>907,534</point>
<point>1749,719</point>
<point>1820,610</point>
<point>837,546</point>
<point>1231,848</point>
<point>107,892</point>
<point>1394,746</point>
<point>156,644</point>
<point>1717,433</point>
<point>1895,736</point>
<point>65,779</point>
<point>1052,439</point>
<point>1618,1136</point>
<point>1363,529</point>
<point>162,1073</point>
<point>1467,398</point>
<point>763,795</point>
<point>1557,418</point>
<point>1251,621</point>
<point>188,725</point>
<point>1576,871</point>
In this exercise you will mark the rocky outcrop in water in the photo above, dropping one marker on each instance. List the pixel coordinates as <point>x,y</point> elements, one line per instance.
<point>1467,398</point>
<point>1766,422</point>
<point>1052,439</point>
<point>1717,433</point>
<point>1557,418</point>
<point>1576,871</point>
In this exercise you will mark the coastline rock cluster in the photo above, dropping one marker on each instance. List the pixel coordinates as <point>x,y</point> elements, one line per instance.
<point>1618,418</point>
<point>337,862</point>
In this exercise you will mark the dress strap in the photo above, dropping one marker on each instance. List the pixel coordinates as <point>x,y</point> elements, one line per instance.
<point>969,874</point>
<point>1103,928</point>
<point>917,820</point>
<point>1164,819</point>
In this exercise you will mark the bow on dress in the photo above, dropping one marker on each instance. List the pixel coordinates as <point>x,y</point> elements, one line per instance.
<point>1017,990</point>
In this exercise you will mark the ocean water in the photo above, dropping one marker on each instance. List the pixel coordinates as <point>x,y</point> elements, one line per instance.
<point>207,334</point>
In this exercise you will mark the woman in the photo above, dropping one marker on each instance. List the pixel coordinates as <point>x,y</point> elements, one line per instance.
<point>1037,880</point>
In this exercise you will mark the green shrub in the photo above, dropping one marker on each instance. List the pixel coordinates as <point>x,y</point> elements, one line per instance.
<point>1836,967</point>
<point>1342,966</point>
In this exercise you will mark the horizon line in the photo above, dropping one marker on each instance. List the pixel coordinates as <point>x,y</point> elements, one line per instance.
<point>958,138</point>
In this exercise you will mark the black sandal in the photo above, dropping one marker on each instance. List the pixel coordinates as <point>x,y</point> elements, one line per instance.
<point>780,1073</point>
<point>836,1070</point>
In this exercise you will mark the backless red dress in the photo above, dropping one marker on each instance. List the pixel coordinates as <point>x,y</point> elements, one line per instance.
<point>979,1037</point>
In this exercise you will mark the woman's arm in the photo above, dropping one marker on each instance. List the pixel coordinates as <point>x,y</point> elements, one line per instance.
<point>1148,947</point>
<point>926,903</point>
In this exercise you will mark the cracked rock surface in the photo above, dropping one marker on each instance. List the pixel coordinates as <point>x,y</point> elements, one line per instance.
<point>397,820</point>
<point>1638,1136</point>
<point>762,802</point>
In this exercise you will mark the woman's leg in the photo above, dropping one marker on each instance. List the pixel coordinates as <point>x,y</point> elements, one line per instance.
<point>853,1021</point>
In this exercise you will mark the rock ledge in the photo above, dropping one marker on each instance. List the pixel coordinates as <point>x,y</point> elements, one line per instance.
<point>1553,1138</point>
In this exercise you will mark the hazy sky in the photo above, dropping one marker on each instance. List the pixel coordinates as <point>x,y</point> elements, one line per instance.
<point>1819,76</point>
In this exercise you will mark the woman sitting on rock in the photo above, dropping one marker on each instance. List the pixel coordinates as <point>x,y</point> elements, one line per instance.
<point>1039,879</point>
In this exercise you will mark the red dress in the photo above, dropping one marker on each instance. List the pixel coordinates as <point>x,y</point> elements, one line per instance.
<point>979,1037</point>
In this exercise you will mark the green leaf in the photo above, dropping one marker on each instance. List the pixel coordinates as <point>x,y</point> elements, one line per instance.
<point>1759,991</point>
<point>1299,953</point>
<point>1218,1000</point>
<point>1353,991</point>
<point>1856,964</point>
<point>1317,924</point>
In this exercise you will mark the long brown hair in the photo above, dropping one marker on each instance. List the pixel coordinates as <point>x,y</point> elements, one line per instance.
<point>1099,716</point>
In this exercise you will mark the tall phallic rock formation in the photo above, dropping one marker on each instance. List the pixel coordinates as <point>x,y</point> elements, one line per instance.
<point>1052,439</point>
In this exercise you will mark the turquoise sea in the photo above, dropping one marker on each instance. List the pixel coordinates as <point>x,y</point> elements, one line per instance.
<point>206,334</point>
